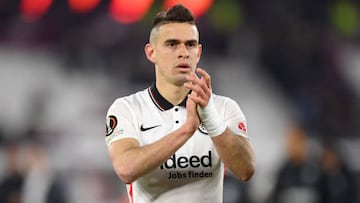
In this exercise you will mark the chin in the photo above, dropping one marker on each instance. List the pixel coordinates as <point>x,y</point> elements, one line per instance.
<point>180,81</point>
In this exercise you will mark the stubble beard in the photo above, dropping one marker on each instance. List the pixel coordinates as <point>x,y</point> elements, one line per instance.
<point>180,82</point>
<point>181,79</point>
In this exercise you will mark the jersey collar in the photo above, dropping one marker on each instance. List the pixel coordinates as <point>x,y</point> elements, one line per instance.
<point>160,101</point>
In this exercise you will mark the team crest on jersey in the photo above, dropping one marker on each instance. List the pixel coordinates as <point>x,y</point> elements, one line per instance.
<point>111,123</point>
<point>203,129</point>
<point>242,127</point>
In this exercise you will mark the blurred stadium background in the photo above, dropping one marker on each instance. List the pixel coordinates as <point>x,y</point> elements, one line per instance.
<point>293,66</point>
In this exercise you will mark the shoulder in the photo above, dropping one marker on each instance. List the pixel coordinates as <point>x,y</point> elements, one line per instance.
<point>227,105</point>
<point>219,99</point>
<point>130,101</point>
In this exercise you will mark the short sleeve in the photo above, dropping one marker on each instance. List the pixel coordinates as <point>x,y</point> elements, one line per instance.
<point>120,122</point>
<point>235,118</point>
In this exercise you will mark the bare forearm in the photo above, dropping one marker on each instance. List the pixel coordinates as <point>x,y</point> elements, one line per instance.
<point>137,161</point>
<point>131,161</point>
<point>237,153</point>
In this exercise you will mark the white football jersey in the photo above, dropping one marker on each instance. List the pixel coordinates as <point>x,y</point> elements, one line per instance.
<point>195,172</point>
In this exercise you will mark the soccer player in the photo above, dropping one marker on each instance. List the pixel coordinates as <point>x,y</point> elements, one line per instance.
<point>172,141</point>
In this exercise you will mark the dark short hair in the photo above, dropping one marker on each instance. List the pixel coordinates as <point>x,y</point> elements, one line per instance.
<point>177,13</point>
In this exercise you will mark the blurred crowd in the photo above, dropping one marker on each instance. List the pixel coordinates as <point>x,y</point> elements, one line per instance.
<point>58,75</point>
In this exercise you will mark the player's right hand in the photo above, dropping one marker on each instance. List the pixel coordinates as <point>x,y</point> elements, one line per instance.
<point>192,117</point>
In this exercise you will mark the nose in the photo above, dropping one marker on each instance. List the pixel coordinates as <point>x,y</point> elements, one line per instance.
<point>183,52</point>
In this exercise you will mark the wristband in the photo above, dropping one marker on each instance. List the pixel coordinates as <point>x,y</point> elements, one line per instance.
<point>210,119</point>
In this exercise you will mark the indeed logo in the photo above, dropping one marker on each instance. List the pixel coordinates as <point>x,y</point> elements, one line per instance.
<point>183,162</point>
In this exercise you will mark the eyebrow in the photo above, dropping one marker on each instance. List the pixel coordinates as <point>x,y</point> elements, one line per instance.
<point>176,41</point>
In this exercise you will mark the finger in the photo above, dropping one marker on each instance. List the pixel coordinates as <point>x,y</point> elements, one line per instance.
<point>190,102</point>
<point>193,96</point>
<point>205,76</point>
<point>198,85</point>
<point>203,73</point>
<point>194,78</point>
<point>195,89</point>
<point>204,82</point>
<point>197,100</point>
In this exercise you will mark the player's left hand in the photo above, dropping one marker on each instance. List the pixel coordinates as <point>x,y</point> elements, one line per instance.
<point>201,86</point>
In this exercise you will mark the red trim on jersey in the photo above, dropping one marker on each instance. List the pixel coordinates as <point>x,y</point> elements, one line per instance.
<point>153,98</point>
<point>131,194</point>
<point>160,101</point>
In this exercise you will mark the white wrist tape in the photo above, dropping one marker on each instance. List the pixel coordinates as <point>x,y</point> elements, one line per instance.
<point>210,119</point>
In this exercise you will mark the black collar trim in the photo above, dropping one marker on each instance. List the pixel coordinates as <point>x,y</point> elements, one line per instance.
<point>160,101</point>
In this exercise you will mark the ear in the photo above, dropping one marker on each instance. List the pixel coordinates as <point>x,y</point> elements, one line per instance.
<point>150,53</point>
<point>199,52</point>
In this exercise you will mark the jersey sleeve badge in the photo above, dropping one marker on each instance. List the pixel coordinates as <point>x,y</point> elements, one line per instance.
<point>111,123</point>
<point>113,131</point>
<point>242,127</point>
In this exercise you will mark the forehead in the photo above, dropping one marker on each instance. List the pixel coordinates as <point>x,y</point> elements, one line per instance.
<point>181,31</point>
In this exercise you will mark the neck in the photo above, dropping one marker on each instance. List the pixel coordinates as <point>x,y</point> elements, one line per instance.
<point>173,93</point>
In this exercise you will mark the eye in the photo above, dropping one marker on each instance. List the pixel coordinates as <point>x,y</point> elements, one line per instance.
<point>171,44</point>
<point>192,44</point>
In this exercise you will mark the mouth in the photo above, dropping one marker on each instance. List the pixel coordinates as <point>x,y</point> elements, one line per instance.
<point>183,66</point>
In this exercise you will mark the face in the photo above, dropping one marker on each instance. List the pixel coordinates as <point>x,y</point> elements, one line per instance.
<point>175,50</point>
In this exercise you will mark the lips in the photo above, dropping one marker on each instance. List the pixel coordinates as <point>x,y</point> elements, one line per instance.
<point>183,65</point>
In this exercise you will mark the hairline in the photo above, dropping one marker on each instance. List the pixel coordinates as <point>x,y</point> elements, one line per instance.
<point>157,27</point>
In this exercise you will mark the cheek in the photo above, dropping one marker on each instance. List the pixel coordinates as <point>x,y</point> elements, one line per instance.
<point>165,58</point>
<point>197,54</point>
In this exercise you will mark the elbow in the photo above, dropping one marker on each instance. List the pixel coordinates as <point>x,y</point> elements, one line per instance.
<point>247,173</point>
<point>126,174</point>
